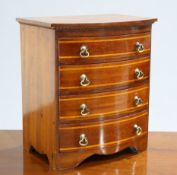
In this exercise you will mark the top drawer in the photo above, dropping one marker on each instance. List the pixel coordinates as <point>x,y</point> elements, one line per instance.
<point>95,50</point>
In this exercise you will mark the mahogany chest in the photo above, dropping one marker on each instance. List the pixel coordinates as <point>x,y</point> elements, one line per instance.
<point>85,85</point>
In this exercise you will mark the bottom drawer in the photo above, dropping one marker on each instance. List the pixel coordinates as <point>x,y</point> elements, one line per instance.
<point>102,135</point>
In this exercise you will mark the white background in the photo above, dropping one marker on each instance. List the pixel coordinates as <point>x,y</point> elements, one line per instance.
<point>163,106</point>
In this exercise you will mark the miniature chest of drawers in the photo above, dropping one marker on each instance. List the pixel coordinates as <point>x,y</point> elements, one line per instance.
<point>85,85</point>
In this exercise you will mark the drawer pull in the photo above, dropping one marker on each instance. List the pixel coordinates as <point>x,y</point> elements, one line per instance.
<point>139,47</point>
<point>84,53</point>
<point>83,140</point>
<point>138,129</point>
<point>137,100</point>
<point>84,81</point>
<point>139,73</point>
<point>84,110</point>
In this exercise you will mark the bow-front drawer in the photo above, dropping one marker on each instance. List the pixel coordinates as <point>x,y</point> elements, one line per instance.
<point>107,49</point>
<point>104,105</point>
<point>95,78</point>
<point>103,135</point>
<point>85,86</point>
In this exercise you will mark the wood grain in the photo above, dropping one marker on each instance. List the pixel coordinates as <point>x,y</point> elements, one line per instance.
<point>102,76</point>
<point>52,92</point>
<point>101,135</point>
<point>115,31</point>
<point>39,84</point>
<point>103,47</point>
<point>159,159</point>
<point>103,105</point>
<point>90,21</point>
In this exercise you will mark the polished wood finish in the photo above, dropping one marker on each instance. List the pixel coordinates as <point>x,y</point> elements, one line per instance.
<point>103,105</point>
<point>55,93</point>
<point>103,135</point>
<point>73,159</point>
<point>102,76</point>
<point>103,49</point>
<point>39,87</point>
<point>108,32</point>
<point>159,159</point>
<point>90,21</point>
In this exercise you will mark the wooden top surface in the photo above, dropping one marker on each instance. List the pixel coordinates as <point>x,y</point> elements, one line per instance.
<point>159,159</point>
<point>89,20</point>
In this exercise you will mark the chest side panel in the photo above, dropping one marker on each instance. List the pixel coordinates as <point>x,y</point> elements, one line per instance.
<point>39,86</point>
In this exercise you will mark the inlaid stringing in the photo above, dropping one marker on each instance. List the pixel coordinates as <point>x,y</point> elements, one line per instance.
<point>85,83</point>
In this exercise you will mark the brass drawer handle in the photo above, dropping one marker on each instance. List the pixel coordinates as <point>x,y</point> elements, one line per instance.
<point>84,81</point>
<point>138,129</point>
<point>84,53</point>
<point>84,110</point>
<point>139,73</point>
<point>83,140</point>
<point>137,100</point>
<point>139,47</point>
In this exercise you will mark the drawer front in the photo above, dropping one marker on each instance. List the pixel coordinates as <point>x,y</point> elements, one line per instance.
<point>103,135</point>
<point>95,78</point>
<point>93,50</point>
<point>103,105</point>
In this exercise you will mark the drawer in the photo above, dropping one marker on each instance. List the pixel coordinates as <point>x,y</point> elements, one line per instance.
<point>102,77</point>
<point>104,105</point>
<point>102,135</point>
<point>105,49</point>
